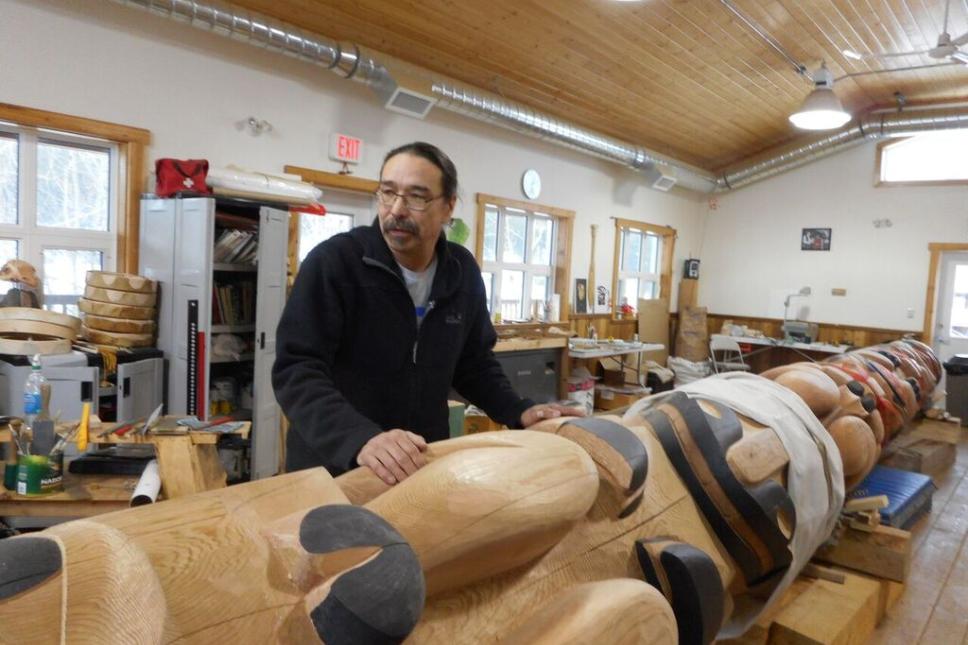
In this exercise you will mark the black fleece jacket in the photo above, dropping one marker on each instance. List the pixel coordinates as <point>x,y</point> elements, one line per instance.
<point>350,362</point>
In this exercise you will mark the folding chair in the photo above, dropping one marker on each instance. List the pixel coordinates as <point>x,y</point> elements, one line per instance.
<point>726,355</point>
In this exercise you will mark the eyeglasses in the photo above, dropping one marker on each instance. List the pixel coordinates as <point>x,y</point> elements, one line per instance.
<point>412,202</point>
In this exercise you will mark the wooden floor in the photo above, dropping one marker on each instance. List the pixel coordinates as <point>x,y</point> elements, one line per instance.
<point>934,607</point>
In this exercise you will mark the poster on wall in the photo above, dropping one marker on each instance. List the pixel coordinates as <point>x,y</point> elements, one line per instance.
<point>581,296</point>
<point>815,239</point>
<point>601,300</point>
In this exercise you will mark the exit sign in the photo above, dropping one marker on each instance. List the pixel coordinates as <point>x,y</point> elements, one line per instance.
<point>345,148</point>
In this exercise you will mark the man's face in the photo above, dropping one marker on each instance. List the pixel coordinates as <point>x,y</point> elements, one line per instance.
<point>412,235</point>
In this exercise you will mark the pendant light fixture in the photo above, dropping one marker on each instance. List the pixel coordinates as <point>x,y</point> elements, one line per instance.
<point>821,110</point>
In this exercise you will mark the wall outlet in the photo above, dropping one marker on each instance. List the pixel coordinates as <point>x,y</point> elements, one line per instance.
<point>838,292</point>
<point>910,312</point>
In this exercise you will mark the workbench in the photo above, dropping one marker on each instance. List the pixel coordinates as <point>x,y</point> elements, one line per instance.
<point>764,353</point>
<point>187,463</point>
<point>621,350</point>
<point>83,496</point>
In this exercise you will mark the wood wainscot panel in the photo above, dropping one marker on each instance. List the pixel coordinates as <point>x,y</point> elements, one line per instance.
<point>828,332</point>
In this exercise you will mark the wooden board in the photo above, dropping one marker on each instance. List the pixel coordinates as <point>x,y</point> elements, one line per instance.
<point>884,552</point>
<point>923,456</point>
<point>117,339</point>
<point>115,297</point>
<point>29,347</point>
<point>83,496</point>
<point>40,315</point>
<point>654,327</point>
<point>830,613</point>
<point>115,311</point>
<point>688,293</point>
<point>517,344</point>
<point>121,325</point>
<point>186,467</point>
<point>121,282</point>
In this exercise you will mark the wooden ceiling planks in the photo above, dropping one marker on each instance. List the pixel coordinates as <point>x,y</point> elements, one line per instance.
<point>683,77</point>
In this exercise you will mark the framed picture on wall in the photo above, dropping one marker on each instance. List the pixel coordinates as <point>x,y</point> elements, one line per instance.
<point>815,239</point>
<point>581,296</point>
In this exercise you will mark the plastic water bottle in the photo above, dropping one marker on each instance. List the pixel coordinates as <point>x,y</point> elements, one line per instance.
<point>33,392</point>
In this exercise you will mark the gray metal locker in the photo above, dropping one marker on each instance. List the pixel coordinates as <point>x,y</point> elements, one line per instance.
<point>177,244</point>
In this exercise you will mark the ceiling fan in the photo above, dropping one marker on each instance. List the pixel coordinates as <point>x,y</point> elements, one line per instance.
<point>947,48</point>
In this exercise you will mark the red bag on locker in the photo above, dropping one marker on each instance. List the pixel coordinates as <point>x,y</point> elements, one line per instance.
<point>180,176</point>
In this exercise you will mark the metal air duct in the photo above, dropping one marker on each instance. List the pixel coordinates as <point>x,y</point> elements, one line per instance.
<point>347,60</point>
<point>871,126</point>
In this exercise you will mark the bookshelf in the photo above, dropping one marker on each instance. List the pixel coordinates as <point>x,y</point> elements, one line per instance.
<point>221,265</point>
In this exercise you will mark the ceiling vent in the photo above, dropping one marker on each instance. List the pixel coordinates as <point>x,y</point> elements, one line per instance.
<point>661,177</point>
<point>407,94</point>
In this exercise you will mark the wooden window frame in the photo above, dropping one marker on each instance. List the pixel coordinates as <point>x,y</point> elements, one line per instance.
<point>131,143</point>
<point>936,249</point>
<point>325,180</point>
<point>668,247</point>
<point>880,183</point>
<point>561,262</point>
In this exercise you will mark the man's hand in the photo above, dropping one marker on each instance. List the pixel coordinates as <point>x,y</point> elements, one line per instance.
<point>393,455</point>
<point>544,411</point>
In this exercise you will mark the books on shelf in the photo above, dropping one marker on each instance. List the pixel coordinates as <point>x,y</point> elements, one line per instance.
<point>235,246</point>
<point>233,303</point>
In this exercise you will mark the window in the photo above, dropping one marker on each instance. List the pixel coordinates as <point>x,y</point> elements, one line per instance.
<point>958,325</point>
<point>58,207</point>
<point>638,275</point>
<point>314,229</point>
<point>523,250</point>
<point>928,157</point>
<point>517,259</point>
<point>643,262</point>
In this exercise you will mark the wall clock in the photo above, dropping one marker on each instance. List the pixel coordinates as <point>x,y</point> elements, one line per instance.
<point>531,183</point>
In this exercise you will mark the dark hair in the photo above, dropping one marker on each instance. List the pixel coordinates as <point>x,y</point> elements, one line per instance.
<point>434,155</point>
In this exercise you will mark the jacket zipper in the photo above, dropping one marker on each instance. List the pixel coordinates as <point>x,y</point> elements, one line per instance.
<point>430,306</point>
<point>416,342</point>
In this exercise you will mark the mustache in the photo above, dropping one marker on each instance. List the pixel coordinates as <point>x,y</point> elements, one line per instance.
<point>405,225</point>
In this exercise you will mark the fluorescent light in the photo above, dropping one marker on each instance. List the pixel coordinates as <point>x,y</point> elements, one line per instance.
<point>850,53</point>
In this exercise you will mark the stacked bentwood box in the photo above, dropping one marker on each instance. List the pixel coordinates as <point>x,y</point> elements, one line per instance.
<point>29,331</point>
<point>119,309</point>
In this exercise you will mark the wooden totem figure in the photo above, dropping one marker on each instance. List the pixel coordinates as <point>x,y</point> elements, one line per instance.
<point>864,397</point>
<point>681,521</point>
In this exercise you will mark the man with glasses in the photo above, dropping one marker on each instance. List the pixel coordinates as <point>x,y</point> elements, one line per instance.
<point>382,321</point>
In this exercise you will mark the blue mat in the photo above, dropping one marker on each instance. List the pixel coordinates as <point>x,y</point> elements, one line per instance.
<point>909,494</point>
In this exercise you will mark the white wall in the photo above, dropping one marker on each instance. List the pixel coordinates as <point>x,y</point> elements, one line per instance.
<point>751,253</point>
<point>95,59</point>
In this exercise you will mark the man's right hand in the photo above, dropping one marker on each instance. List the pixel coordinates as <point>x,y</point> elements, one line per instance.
<point>393,455</point>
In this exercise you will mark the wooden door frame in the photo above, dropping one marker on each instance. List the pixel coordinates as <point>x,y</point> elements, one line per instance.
<point>936,249</point>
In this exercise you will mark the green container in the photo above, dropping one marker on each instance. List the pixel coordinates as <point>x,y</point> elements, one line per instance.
<point>39,475</point>
<point>10,476</point>
<point>455,419</point>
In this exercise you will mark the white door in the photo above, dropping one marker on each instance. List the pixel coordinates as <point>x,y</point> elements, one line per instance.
<point>271,290</point>
<point>951,313</point>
